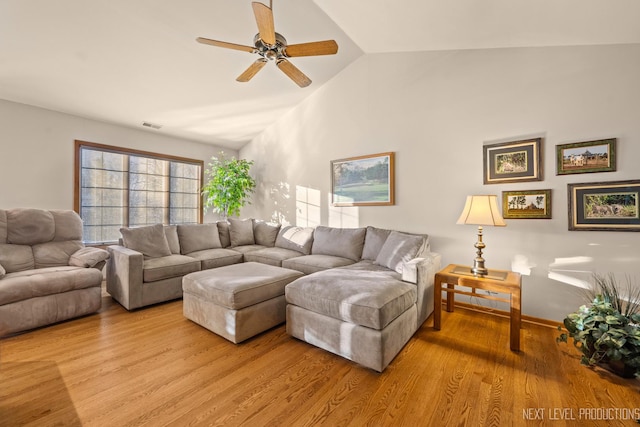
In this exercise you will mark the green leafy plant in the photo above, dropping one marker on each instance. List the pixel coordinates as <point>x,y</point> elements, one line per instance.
<point>229,186</point>
<point>608,329</point>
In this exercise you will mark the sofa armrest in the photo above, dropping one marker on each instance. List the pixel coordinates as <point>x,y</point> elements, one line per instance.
<point>422,271</point>
<point>124,276</point>
<point>89,257</point>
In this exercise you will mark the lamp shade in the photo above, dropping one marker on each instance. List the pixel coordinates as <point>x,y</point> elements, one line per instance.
<point>481,210</point>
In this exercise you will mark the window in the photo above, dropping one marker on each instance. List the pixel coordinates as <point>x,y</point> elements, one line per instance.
<point>117,187</point>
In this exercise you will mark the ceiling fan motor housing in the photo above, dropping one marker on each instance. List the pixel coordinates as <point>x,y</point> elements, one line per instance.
<point>271,52</point>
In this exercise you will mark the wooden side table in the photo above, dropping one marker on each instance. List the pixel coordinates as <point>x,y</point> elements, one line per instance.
<point>500,281</point>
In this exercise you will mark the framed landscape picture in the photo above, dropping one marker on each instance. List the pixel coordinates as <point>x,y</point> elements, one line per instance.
<point>533,204</point>
<point>518,161</point>
<point>363,181</point>
<point>604,206</point>
<point>586,157</point>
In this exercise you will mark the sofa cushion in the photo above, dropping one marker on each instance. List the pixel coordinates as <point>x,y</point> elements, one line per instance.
<point>239,286</point>
<point>365,298</point>
<point>52,254</point>
<point>247,248</point>
<point>155,269</point>
<point>198,237</point>
<point>223,231</point>
<point>265,234</point>
<point>369,266</point>
<point>171,233</point>
<point>3,226</point>
<point>241,232</point>
<point>297,239</point>
<point>27,284</point>
<point>271,256</point>
<point>68,225</point>
<point>88,257</point>
<point>150,240</point>
<point>373,242</point>
<point>308,264</point>
<point>16,258</point>
<point>30,226</point>
<point>399,248</point>
<point>340,242</point>
<point>213,258</point>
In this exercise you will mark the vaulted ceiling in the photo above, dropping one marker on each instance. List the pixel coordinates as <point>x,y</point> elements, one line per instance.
<point>133,61</point>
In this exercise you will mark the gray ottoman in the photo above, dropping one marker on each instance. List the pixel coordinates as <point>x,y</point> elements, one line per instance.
<point>237,301</point>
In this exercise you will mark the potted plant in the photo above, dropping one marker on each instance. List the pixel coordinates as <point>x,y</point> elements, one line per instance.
<point>229,185</point>
<point>607,331</point>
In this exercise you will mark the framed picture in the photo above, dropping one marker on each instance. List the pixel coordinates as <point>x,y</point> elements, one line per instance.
<point>533,204</point>
<point>363,181</point>
<point>586,157</point>
<point>604,206</point>
<point>518,161</point>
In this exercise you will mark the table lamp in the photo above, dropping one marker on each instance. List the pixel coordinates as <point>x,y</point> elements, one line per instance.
<point>481,210</point>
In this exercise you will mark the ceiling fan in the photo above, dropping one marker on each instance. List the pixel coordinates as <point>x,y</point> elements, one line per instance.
<point>272,46</point>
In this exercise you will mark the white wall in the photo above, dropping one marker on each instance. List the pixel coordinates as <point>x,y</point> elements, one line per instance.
<point>37,153</point>
<point>436,110</point>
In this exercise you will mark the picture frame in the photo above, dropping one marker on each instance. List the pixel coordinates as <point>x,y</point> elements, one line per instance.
<point>528,204</point>
<point>363,180</point>
<point>604,206</point>
<point>586,157</point>
<point>517,161</point>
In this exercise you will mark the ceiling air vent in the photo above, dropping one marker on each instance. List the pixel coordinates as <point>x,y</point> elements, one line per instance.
<point>151,125</point>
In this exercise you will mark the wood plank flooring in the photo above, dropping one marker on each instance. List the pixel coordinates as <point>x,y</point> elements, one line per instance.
<point>153,367</point>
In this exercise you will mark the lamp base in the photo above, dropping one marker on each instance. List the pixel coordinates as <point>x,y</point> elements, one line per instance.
<point>478,268</point>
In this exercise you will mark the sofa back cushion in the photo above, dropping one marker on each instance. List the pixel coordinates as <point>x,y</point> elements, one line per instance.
<point>223,231</point>
<point>171,233</point>
<point>54,254</point>
<point>341,242</point>
<point>241,232</point>
<point>198,237</point>
<point>400,248</point>
<point>149,240</point>
<point>297,239</point>
<point>16,257</point>
<point>68,225</point>
<point>373,242</point>
<point>3,226</point>
<point>265,234</point>
<point>30,226</point>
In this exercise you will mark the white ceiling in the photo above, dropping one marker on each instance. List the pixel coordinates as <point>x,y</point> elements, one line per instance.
<point>130,61</point>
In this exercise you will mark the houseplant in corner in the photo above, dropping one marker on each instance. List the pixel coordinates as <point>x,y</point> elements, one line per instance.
<point>229,185</point>
<point>607,331</point>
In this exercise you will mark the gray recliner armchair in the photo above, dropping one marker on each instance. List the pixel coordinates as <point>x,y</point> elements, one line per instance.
<point>47,275</point>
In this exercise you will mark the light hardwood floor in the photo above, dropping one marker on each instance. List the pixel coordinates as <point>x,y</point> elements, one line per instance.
<point>154,367</point>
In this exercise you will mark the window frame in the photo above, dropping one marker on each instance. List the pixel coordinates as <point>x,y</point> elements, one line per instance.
<point>79,144</point>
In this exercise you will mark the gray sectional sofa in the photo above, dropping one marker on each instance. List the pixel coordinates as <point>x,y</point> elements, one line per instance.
<point>46,273</point>
<point>364,292</point>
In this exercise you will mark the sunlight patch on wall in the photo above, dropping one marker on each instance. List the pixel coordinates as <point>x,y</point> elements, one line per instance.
<point>565,269</point>
<point>308,208</point>
<point>343,216</point>
<point>522,264</point>
<point>279,196</point>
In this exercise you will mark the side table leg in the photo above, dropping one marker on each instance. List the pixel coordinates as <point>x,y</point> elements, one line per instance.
<point>516,320</point>
<point>437,303</point>
<point>450,297</point>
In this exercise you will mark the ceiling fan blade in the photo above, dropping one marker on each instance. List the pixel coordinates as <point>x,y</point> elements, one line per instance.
<point>225,44</point>
<point>294,74</point>
<point>252,70</point>
<point>264,19</point>
<point>326,47</point>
